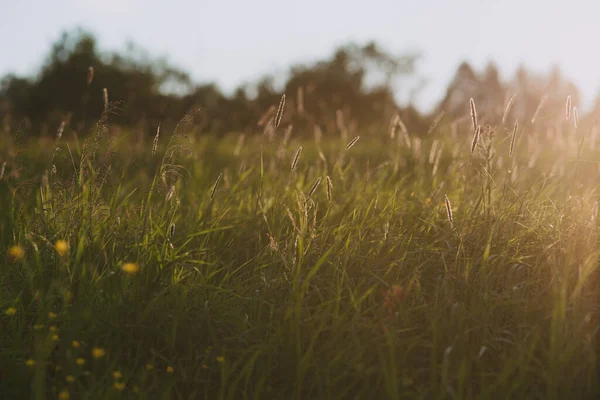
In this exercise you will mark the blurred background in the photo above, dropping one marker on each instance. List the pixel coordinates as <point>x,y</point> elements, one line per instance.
<point>232,60</point>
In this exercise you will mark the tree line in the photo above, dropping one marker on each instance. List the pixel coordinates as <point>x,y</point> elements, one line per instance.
<point>77,82</point>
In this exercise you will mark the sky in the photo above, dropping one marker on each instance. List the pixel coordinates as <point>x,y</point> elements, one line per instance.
<point>232,42</point>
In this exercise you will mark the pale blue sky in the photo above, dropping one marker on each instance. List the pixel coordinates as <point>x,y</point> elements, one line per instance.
<point>235,41</point>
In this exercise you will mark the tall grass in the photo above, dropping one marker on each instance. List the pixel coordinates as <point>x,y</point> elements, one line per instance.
<point>468,273</point>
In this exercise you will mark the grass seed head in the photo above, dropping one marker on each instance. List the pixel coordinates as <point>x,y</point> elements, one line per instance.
<point>279,111</point>
<point>296,157</point>
<point>352,142</point>
<point>473,114</point>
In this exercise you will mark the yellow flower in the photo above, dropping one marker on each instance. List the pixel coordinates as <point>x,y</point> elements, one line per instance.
<point>98,352</point>
<point>64,395</point>
<point>117,375</point>
<point>62,247</point>
<point>119,386</point>
<point>16,252</point>
<point>38,327</point>
<point>53,329</point>
<point>130,268</point>
<point>170,370</point>
<point>80,361</point>
<point>51,315</point>
<point>220,359</point>
<point>30,363</point>
<point>70,379</point>
<point>55,338</point>
<point>149,367</point>
<point>10,311</point>
<point>76,344</point>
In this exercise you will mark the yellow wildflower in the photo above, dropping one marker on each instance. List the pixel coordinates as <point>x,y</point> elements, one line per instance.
<point>53,329</point>
<point>38,327</point>
<point>55,338</point>
<point>62,247</point>
<point>64,395</point>
<point>98,352</point>
<point>70,379</point>
<point>149,367</point>
<point>76,344</point>
<point>80,361</point>
<point>30,363</point>
<point>130,268</point>
<point>119,386</point>
<point>117,375</point>
<point>16,252</point>
<point>170,370</point>
<point>51,315</point>
<point>10,311</point>
<point>220,359</point>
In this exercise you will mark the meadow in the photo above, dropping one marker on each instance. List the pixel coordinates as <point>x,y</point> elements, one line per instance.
<point>457,263</point>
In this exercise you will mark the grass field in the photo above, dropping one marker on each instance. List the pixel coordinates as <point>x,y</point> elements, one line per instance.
<point>211,268</point>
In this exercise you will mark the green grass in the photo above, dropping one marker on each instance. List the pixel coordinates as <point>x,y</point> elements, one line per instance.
<point>296,294</point>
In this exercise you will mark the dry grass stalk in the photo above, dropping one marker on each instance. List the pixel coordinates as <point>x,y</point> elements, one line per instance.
<point>214,189</point>
<point>329,187</point>
<point>105,91</point>
<point>2,170</point>
<point>473,114</point>
<point>568,108</point>
<point>266,116</point>
<point>314,187</point>
<point>90,75</point>
<point>279,111</point>
<point>512,139</point>
<point>508,108</point>
<point>155,143</point>
<point>435,122</point>
<point>539,108</point>
<point>449,210</point>
<point>575,117</point>
<point>296,157</point>
<point>352,142</point>
<point>475,138</point>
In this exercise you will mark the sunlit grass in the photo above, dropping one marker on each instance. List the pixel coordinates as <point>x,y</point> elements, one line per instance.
<point>378,268</point>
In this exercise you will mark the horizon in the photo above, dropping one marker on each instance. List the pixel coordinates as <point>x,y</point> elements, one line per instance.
<point>271,44</point>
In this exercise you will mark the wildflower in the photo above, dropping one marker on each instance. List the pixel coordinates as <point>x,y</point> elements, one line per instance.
<point>119,386</point>
<point>170,370</point>
<point>98,352</point>
<point>53,328</point>
<point>55,338</point>
<point>70,379</point>
<point>220,359</point>
<point>130,268</point>
<point>30,363</point>
<point>149,367</point>
<point>76,344</point>
<point>62,247</point>
<point>64,395</point>
<point>16,252</point>
<point>117,375</point>
<point>10,311</point>
<point>51,315</point>
<point>38,327</point>
<point>80,361</point>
